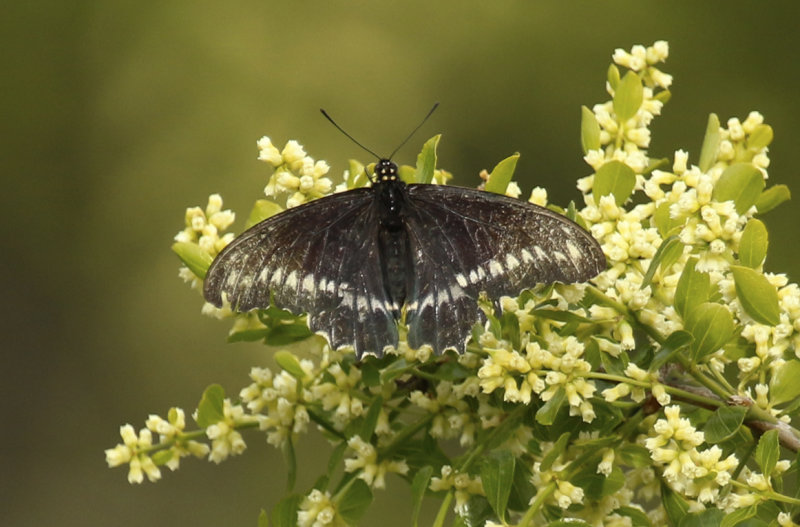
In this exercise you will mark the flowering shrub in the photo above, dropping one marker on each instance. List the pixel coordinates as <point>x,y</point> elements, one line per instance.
<point>662,392</point>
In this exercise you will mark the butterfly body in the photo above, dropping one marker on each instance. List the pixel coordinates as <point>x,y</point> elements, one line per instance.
<point>359,261</point>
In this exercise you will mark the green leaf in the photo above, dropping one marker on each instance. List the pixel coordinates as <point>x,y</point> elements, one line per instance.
<point>497,475</point>
<point>612,76</point>
<point>741,183</point>
<point>663,96</point>
<point>546,415</point>
<point>193,257</point>
<point>371,419</point>
<point>635,456</point>
<point>336,458</point>
<point>664,222</point>
<point>614,177</point>
<point>757,296</point>
<point>290,456</point>
<point>501,175</point>
<point>711,325</point>
<point>708,153</point>
<point>772,197</point>
<point>590,130</point>
<point>694,288</point>
<point>676,507</point>
<point>783,385</point>
<point>753,244</point>
<point>289,362</point>
<point>426,160</point>
<point>284,514</point>
<point>263,519</point>
<point>760,137</point>
<point>356,174</point>
<point>724,423</point>
<point>628,97</point>
<point>638,518</point>
<point>418,487</point>
<point>162,456</point>
<point>667,254</point>
<point>558,448</point>
<point>738,516</point>
<point>675,343</point>
<point>707,518</point>
<point>355,501</point>
<point>262,209</point>
<point>522,490</point>
<point>572,522</point>
<point>370,373</point>
<point>210,408</point>
<point>768,451</point>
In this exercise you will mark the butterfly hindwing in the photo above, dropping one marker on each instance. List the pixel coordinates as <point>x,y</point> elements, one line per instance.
<point>484,242</point>
<point>319,258</point>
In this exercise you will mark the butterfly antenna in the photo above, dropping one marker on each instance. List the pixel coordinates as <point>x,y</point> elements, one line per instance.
<point>435,105</point>
<point>328,117</point>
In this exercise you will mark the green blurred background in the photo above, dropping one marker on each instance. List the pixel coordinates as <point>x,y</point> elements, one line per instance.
<point>118,115</point>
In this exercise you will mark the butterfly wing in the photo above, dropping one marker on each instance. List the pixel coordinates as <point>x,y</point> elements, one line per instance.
<point>320,258</point>
<point>465,241</point>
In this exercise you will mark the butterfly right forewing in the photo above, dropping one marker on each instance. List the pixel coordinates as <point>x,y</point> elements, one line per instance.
<point>484,242</point>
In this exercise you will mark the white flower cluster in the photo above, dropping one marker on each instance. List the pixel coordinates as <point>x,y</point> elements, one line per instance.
<point>278,404</point>
<point>544,368</point>
<point>317,510</point>
<point>464,486</point>
<point>226,440</point>
<point>698,474</point>
<point>135,450</point>
<point>294,172</point>
<point>371,470</point>
<point>205,229</point>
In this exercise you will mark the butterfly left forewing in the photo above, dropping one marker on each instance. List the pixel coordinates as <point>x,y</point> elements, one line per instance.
<point>319,258</point>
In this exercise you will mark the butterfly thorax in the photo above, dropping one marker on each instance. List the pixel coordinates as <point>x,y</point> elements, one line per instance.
<point>393,243</point>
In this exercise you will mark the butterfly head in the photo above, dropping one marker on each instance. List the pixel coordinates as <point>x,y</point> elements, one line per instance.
<point>385,170</point>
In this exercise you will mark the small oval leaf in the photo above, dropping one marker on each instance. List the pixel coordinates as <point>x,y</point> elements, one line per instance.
<point>768,451</point>
<point>724,423</point>
<point>354,502</point>
<point>664,222</point>
<point>757,296</point>
<point>426,160</point>
<point>753,245</point>
<point>760,137</point>
<point>692,290</point>
<point>262,209</point>
<point>210,409</point>
<point>614,177</point>
<point>708,152</point>
<point>497,476</point>
<point>193,257</point>
<point>711,325</point>
<point>741,183</point>
<point>612,76</point>
<point>628,97</point>
<point>289,362</point>
<point>418,487</point>
<point>590,130</point>
<point>783,385</point>
<point>772,197</point>
<point>501,175</point>
<point>667,254</point>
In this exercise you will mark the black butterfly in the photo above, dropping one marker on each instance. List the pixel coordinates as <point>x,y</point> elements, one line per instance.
<point>359,261</point>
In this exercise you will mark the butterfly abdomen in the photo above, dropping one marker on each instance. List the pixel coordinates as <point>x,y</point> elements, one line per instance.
<point>393,242</point>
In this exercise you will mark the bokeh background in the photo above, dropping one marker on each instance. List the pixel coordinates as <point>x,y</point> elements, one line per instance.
<point>118,115</point>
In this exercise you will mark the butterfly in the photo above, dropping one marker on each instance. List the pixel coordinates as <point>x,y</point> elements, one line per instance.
<point>360,261</point>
